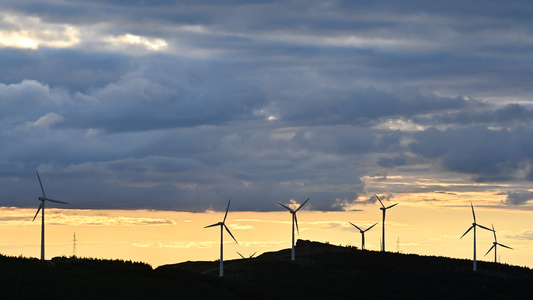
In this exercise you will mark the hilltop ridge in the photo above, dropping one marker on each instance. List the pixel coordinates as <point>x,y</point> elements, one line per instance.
<point>321,271</point>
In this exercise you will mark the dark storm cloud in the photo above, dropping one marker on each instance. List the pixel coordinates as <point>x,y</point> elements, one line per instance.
<point>395,161</point>
<point>501,154</point>
<point>74,70</point>
<point>509,115</point>
<point>179,104</point>
<point>169,100</point>
<point>361,107</point>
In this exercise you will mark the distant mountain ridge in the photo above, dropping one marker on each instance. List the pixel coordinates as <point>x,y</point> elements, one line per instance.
<point>321,271</point>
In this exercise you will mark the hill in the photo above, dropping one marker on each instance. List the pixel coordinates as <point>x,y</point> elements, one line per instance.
<point>322,271</point>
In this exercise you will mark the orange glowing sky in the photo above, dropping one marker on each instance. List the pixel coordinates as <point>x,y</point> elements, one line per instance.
<point>165,237</point>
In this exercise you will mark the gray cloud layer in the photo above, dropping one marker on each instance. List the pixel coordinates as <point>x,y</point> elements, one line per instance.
<point>180,105</point>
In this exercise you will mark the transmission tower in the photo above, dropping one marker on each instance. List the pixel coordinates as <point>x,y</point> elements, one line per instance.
<point>74,245</point>
<point>398,245</point>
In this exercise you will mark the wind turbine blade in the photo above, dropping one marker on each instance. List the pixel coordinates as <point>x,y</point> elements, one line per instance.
<point>505,246</point>
<point>302,204</point>
<point>379,200</point>
<point>285,206</point>
<point>467,231</point>
<point>473,213</point>
<point>227,209</point>
<point>355,226</point>
<point>481,226</point>
<point>56,201</point>
<point>38,210</point>
<point>494,231</point>
<point>391,206</point>
<point>370,227</point>
<point>296,222</point>
<point>40,182</point>
<point>251,256</point>
<point>490,249</point>
<point>240,254</point>
<point>213,225</point>
<point>230,233</point>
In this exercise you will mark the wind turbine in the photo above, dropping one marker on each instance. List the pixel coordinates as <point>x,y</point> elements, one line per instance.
<point>474,225</point>
<point>495,244</point>
<point>363,233</point>
<point>222,226</point>
<point>384,210</point>
<point>294,221</point>
<point>43,199</point>
<point>251,256</point>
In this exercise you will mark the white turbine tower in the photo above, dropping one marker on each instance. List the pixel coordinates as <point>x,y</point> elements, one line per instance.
<point>384,210</point>
<point>363,234</point>
<point>495,245</point>
<point>222,226</point>
<point>294,221</point>
<point>43,199</point>
<point>474,225</point>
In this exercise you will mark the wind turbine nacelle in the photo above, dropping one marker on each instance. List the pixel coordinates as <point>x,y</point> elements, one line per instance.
<point>41,198</point>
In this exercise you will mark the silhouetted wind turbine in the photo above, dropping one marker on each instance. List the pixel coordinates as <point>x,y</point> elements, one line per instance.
<point>294,221</point>
<point>43,199</point>
<point>474,225</point>
<point>363,233</point>
<point>251,256</point>
<point>222,226</point>
<point>495,245</point>
<point>384,210</point>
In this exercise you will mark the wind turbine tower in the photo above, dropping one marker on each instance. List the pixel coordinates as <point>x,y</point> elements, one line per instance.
<point>474,225</point>
<point>222,226</point>
<point>384,211</point>
<point>294,221</point>
<point>495,245</point>
<point>363,233</point>
<point>43,199</point>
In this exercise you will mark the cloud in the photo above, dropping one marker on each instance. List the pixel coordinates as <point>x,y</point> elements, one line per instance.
<point>500,154</point>
<point>518,197</point>
<point>353,205</point>
<point>396,161</point>
<point>512,114</point>
<point>355,107</point>
<point>61,69</point>
<point>153,44</point>
<point>188,103</point>
<point>31,96</point>
<point>30,32</point>
<point>524,235</point>
<point>17,217</point>
<point>46,121</point>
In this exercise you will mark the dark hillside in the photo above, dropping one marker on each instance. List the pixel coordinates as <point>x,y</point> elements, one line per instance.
<point>71,278</point>
<point>325,271</point>
<point>322,271</point>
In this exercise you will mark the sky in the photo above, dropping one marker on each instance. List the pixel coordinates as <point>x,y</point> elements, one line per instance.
<point>177,106</point>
